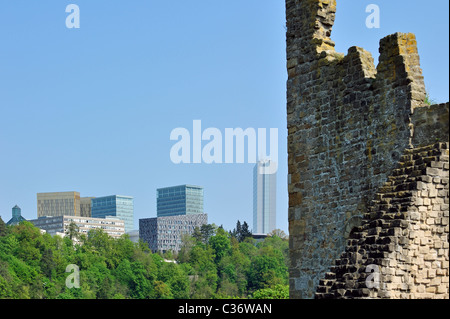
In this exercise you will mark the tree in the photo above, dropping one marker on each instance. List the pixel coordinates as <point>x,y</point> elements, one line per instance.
<point>6,289</point>
<point>136,278</point>
<point>204,233</point>
<point>238,230</point>
<point>47,262</point>
<point>162,290</point>
<point>175,278</point>
<point>3,229</point>
<point>221,246</point>
<point>73,231</point>
<point>279,233</point>
<point>207,230</point>
<point>245,232</point>
<point>187,242</point>
<point>277,292</point>
<point>241,232</point>
<point>211,265</point>
<point>197,235</point>
<point>204,282</point>
<point>30,241</point>
<point>267,269</point>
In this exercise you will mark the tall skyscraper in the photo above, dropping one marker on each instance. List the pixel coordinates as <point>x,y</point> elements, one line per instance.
<point>115,205</point>
<point>264,199</point>
<point>58,204</point>
<point>179,200</point>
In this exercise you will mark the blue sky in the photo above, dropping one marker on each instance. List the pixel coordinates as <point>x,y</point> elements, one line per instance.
<point>91,109</point>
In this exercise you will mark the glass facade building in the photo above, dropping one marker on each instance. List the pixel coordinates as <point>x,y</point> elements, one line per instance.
<point>16,216</point>
<point>179,200</point>
<point>115,205</point>
<point>58,204</point>
<point>264,199</point>
<point>86,206</point>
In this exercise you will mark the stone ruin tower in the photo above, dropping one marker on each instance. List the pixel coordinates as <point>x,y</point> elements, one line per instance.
<point>368,167</point>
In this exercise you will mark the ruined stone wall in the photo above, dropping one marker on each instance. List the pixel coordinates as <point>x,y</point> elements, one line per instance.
<point>349,123</point>
<point>403,236</point>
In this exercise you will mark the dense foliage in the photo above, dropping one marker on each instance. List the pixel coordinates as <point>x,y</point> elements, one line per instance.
<point>213,263</point>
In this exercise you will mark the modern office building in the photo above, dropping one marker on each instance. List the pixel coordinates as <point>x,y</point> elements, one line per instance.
<point>58,204</point>
<point>115,205</point>
<point>113,226</point>
<point>264,199</point>
<point>133,235</point>
<point>16,216</point>
<point>63,204</point>
<point>179,200</point>
<point>165,233</point>
<point>86,206</point>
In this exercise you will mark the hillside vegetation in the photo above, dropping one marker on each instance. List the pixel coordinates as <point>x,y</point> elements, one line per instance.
<point>213,263</point>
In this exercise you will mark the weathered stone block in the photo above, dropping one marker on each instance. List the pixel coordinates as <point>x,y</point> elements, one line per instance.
<point>361,143</point>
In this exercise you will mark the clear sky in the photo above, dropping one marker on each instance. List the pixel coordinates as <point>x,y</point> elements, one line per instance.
<point>91,109</point>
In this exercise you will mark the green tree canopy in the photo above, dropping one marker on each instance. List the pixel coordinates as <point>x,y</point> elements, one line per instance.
<point>212,263</point>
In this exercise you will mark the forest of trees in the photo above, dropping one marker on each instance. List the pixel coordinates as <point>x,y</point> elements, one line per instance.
<point>213,263</point>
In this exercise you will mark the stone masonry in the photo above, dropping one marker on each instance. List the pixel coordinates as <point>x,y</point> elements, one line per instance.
<point>351,126</point>
<point>404,235</point>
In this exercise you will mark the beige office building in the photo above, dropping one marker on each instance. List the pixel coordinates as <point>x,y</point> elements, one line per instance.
<point>63,204</point>
<point>58,204</point>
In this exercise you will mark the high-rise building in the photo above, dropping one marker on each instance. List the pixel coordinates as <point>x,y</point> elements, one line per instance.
<point>58,204</point>
<point>179,200</point>
<point>179,211</point>
<point>264,199</point>
<point>86,206</point>
<point>165,233</point>
<point>115,205</point>
<point>16,216</point>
